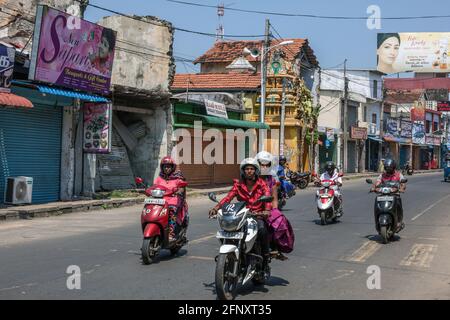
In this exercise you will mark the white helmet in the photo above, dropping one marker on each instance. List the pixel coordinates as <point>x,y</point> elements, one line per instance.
<point>265,157</point>
<point>252,162</point>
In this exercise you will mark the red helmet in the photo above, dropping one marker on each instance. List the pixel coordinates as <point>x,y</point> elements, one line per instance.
<point>167,161</point>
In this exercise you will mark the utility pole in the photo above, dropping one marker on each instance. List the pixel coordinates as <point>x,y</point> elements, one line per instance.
<point>345,156</point>
<point>262,109</point>
<point>282,116</point>
<point>380,148</point>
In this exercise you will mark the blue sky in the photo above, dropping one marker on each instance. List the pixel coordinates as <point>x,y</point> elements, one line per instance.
<point>332,40</point>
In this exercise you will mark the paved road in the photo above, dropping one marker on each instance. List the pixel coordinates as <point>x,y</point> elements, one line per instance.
<point>329,262</point>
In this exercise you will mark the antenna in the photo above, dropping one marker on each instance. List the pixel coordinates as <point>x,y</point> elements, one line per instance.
<point>220,31</point>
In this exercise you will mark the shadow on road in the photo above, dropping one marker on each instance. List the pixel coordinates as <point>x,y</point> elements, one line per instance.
<point>329,222</point>
<point>165,255</point>
<point>272,282</point>
<point>377,238</point>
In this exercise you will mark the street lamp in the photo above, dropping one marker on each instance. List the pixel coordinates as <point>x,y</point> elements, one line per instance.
<point>262,110</point>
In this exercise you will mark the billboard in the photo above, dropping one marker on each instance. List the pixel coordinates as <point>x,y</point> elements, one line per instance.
<point>358,133</point>
<point>443,106</point>
<point>405,129</point>
<point>417,52</point>
<point>418,111</point>
<point>7,55</point>
<point>71,52</point>
<point>97,125</point>
<point>418,133</point>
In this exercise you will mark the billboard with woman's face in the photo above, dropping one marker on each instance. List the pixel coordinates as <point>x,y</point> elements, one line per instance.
<point>417,52</point>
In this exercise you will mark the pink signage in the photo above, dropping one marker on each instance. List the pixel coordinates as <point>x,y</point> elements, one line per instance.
<point>71,52</point>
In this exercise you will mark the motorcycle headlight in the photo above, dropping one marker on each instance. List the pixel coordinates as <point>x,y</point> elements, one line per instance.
<point>157,193</point>
<point>385,205</point>
<point>229,222</point>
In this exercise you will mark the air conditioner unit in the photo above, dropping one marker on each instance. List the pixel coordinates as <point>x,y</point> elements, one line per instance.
<point>18,190</point>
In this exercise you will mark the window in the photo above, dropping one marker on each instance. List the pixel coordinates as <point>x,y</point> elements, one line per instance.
<point>374,118</point>
<point>428,126</point>
<point>375,89</point>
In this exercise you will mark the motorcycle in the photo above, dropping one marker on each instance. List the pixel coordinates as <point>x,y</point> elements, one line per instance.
<point>407,169</point>
<point>328,205</point>
<point>155,222</point>
<point>240,259</point>
<point>299,179</point>
<point>386,208</point>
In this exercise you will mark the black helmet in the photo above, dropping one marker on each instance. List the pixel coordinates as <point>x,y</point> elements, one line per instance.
<point>390,166</point>
<point>330,167</point>
<point>282,158</point>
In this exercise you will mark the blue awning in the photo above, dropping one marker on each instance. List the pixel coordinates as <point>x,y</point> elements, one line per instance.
<point>375,139</point>
<point>72,94</point>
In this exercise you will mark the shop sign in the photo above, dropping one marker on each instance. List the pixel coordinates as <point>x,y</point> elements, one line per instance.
<point>443,106</point>
<point>330,134</point>
<point>359,133</point>
<point>216,109</point>
<point>97,124</point>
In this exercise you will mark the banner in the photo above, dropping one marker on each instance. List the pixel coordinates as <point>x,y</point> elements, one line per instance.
<point>417,52</point>
<point>358,133</point>
<point>7,56</point>
<point>71,52</point>
<point>443,106</point>
<point>418,133</point>
<point>97,125</point>
<point>330,134</point>
<point>216,109</point>
<point>418,111</point>
<point>406,129</point>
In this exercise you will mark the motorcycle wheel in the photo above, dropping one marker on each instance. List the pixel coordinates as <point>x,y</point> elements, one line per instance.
<point>226,286</point>
<point>302,184</point>
<point>149,247</point>
<point>410,172</point>
<point>384,234</point>
<point>281,204</point>
<point>323,218</point>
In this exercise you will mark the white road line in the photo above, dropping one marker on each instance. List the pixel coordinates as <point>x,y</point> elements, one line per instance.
<point>200,258</point>
<point>430,207</point>
<point>202,239</point>
<point>364,252</point>
<point>420,255</point>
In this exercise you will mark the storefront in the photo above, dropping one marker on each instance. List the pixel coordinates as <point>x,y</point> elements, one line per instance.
<point>196,168</point>
<point>372,152</point>
<point>327,146</point>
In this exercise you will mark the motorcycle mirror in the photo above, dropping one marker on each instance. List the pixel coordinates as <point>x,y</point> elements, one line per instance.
<point>369,181</point>
<point>138,180</point>
<point>265,199</point>
<point>212,197</point>
<point>404,181</point>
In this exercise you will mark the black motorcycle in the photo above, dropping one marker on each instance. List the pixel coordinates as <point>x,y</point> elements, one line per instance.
<point>387,208</point>
<point>299,179</point>
<point>407,169</point>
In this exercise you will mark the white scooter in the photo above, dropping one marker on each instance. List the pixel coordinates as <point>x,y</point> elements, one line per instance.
<point>328,206</point>
<point>240,259</point>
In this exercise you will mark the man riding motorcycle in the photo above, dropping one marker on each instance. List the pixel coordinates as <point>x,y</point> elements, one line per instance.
<point>331,173</point>
<point>249,189</point>
<point>286,186</point>
<point>391,174</point>
<point>170,178</point>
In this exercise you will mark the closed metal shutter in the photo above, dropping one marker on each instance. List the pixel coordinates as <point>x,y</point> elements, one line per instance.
<point>30,145</point>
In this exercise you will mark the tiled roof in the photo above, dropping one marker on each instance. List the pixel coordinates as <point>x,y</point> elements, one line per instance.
<point>13,100</point>
<point>201,81</point>
<point>417,83</point>
<point>227,51</point>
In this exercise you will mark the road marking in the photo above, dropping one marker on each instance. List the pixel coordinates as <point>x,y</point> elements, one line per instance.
<point>202,239</point>
<point>420,255</point>
<point>200,258</point>
<point>346,273</point>
<point>364,252</point>
<point>430,207</point>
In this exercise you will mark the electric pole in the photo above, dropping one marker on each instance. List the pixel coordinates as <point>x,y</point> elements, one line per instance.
<point>282,116</point>
<point>345,156</point>
<point>262,109</point>
<point>380,148</point>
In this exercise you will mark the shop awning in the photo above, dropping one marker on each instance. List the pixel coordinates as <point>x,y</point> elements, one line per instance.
<point>222,122</point>
<point>375,138</point>
<point>72,94</point>
<point>13,100</point>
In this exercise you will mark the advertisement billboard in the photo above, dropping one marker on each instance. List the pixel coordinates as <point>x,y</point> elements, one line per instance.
<point>418,133</point>
<point>97,125</point>
<point>7,55</point>
<point>406,129</point>
<point>71,52</point>
<point>443,106</point>
<point>418,111</point>
<point>417,52</point>
<point>358,133</point>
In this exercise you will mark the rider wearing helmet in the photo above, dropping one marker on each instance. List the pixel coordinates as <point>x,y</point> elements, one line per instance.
<point>265,160</point>
<point>249,189</point>
<point>391,174</point>
<point>286,186</point>
<point>331,173</point>
<point>170,177</point>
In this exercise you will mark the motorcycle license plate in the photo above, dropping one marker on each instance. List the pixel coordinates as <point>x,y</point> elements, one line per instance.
<point>385,198</point>
<point>154,201</point>
<point>229,235</point>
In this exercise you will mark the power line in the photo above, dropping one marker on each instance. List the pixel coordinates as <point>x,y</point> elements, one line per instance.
<point>285,14</point>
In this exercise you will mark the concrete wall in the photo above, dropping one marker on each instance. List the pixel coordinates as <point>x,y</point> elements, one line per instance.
<point>143,56</point>
<point>17,24</point>
<point>331,105</point>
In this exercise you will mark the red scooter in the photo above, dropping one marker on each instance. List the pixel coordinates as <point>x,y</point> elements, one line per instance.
<point>155,221</point>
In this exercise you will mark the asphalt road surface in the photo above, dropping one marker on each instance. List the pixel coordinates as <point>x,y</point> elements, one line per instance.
<point>329,262</point>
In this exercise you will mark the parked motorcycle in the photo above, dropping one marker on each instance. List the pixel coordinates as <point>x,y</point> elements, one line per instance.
<point>386,209</point>
<point>407,169</point>
<point>299,179</point>
<point>328,205</point>
<point>155,222</point>
<point>240,259</point>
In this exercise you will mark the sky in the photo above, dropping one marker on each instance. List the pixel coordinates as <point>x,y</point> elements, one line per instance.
<point>332,40</point>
